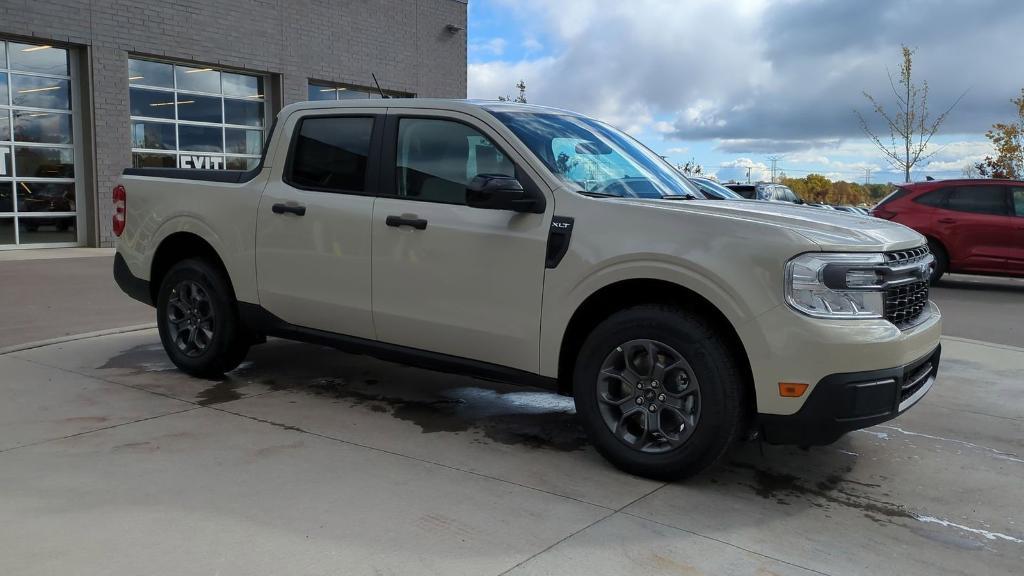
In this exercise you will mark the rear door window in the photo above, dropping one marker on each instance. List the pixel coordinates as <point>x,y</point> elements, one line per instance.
<point>330,154</point>
<point>978,200</point>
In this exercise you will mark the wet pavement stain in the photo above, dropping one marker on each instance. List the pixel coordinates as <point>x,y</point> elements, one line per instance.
<point>527,418</point>
<point>223,391</point>
<point>779,485</point>
<point>142,358</point>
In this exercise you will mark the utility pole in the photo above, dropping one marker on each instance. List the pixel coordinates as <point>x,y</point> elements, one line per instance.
<point>773,160</point>
<point>748,174</point>
<point>867,176</point>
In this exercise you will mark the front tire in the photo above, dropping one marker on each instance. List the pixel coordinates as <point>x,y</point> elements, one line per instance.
<point>198,320</point>
<point>658,391</point>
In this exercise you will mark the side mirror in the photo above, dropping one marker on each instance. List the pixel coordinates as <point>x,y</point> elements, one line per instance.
<point>499,192</point>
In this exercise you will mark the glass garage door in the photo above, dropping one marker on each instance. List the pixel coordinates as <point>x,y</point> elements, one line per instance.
<point>192,117</point>
<point>38,203</point>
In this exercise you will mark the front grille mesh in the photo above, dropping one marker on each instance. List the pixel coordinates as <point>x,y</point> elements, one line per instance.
<point>905,304</point>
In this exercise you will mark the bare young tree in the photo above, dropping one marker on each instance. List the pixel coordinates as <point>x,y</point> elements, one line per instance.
<point>521,99</point>
<point>910,129</point>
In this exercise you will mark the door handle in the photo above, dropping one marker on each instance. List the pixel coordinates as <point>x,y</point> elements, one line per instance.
<point>947,221</point>
<point>289,209</point>
<point>396,221</point>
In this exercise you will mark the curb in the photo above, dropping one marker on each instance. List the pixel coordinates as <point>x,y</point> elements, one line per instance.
<point>73,337</point>
<point>983,343</point>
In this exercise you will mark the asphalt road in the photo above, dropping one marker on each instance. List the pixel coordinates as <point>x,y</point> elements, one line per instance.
<point>48,298</point>
<point>982,308</point>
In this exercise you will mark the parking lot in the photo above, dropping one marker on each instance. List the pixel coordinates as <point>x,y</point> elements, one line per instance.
<point>310,461</point>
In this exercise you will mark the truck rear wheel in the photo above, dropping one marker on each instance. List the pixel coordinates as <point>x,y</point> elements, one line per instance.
<point>198,321</point>
<point>658,391</point>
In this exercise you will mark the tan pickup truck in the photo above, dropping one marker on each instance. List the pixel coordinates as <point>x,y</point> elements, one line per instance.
<point>535,245</point>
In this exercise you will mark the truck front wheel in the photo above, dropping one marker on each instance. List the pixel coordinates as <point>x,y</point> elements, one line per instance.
<point>198,321</point>
<point>657,391</point>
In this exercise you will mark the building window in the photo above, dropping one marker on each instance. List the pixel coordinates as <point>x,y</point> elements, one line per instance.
<point>195,117</point>
<point>37,155</point>
<point>332,91</point>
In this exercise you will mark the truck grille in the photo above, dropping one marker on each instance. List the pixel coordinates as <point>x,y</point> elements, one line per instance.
<point>904,304</point>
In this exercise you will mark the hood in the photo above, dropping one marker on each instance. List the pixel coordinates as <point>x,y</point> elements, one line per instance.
<point>832,230</point>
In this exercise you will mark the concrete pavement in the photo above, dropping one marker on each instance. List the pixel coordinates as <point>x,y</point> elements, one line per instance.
<point>310,461</point>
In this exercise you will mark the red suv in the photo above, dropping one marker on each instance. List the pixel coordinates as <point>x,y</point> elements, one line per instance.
<point>972,226</point>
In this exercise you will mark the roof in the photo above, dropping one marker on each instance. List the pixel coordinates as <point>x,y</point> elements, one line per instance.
<point>469,106</point>
<point>955,181</point>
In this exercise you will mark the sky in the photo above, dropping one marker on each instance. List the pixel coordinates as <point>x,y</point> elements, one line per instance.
<point>729,84</point>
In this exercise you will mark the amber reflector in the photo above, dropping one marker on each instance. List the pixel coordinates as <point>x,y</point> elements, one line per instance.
<point>791,389</point>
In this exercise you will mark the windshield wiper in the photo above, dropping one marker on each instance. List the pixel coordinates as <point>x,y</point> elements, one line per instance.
<point>599,194</point>
<point>686,196</point>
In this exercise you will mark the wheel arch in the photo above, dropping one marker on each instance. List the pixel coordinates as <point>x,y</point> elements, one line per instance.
<point>179,246</point>
<point>622,295</point>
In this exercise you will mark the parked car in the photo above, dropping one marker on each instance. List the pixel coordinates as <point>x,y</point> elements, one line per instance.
<point>713,190</point>
<point>766,191</point>
<point>530,244</point>
<point>972,226</point>
<point>850,209</point>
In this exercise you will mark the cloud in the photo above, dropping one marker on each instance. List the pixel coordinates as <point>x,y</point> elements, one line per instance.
<point>678,150</point>
<point>492,47</point>
<point>736,171</point>
<point>760,76</point>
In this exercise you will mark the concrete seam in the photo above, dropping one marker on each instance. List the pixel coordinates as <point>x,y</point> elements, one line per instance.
<point>74,337</point>
<point>738,547</point>
<point>400,455</point>
<point>189,409</point>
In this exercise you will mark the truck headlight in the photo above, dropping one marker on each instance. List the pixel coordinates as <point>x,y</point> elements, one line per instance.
<point>840,286</point>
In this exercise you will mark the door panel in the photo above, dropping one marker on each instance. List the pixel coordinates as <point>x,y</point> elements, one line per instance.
<point>469,282</point>
<point>313,269</point>
<point>976,237</point>
<point>1015,258</point>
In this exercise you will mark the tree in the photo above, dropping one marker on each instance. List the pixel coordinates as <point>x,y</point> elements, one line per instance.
<point>970,171</point>
<point>910,130</point>
<point>818,187</point>
<point>521,99</point>
<point>1008,140</point>
<point>691,168</point>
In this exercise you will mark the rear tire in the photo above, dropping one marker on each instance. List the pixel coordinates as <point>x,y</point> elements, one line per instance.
<point>691,391</point>
<point>198,320</point>
<point>941,265</point>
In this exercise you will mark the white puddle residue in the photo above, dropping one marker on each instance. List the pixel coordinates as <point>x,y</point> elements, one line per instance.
<point>987,534</point>
<point>519,401</point>
<point>879,435</point>
<point>847,452</point>
<point>996,453</point>
<point>157,367</point>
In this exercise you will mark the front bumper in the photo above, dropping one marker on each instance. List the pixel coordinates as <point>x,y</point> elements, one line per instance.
<point>849,401</point>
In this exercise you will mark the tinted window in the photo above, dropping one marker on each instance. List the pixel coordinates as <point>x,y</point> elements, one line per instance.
<point>1018,200</point>
<point>436,159</point>
<point>934,198</point>
<point>894,195</point>
<point>978,199</point>
<point>199,108</point>
<point>331,153</point>
<point>150,73</point>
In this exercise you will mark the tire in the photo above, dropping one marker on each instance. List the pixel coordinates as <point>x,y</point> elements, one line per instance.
<point>707,362</point>
<point>198,322</point>
<point>941,261</point>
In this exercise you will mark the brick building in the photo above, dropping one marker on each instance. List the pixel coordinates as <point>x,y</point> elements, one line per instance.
<point>89,87</point>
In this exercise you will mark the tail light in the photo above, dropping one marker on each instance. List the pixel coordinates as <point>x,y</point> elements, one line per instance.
<point>880,213</point>
<point>120,197</point>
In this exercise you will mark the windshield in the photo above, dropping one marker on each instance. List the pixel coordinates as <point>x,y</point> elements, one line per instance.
<point>716,189</point>
<point>595,158</point>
